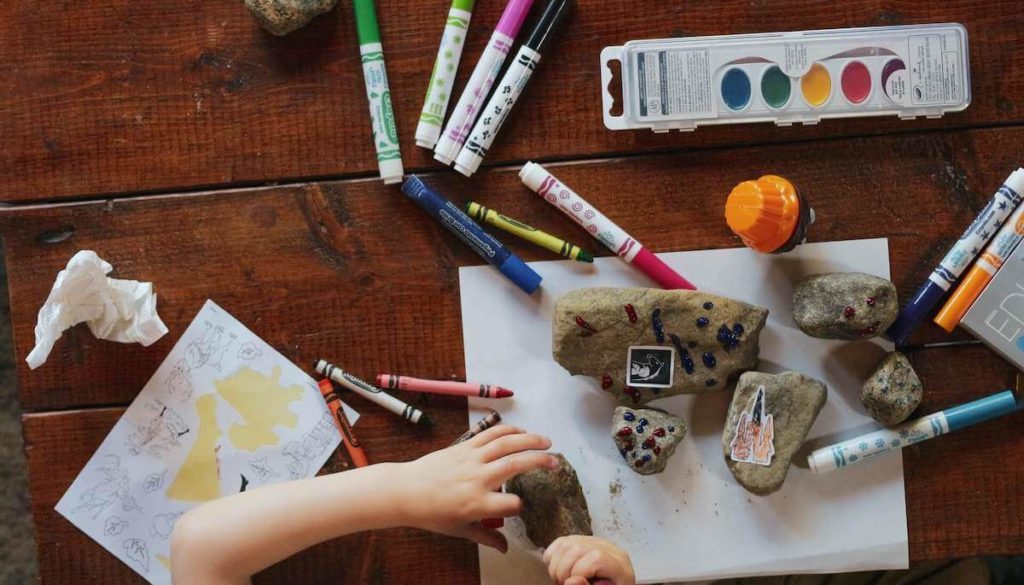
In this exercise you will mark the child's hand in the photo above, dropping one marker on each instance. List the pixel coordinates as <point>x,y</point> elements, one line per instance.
<point>451,490</point>
<point>575,560</point>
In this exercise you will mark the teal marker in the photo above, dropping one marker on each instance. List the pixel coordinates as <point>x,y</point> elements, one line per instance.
<point>382,114</point>
<point>442,79</point>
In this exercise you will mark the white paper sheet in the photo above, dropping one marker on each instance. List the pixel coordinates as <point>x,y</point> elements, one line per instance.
<point>188,426</point>
<point>693,521</point>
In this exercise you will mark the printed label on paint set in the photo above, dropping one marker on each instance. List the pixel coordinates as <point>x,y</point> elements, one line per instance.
<point>787,78</point>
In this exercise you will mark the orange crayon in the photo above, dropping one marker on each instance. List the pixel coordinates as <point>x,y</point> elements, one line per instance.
<point>355,450</point>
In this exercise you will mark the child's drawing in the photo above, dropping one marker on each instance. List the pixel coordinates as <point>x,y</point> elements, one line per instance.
<point>179,384</point>
<point>263,469</point>
<point>114,526</point>
<point>163,524</point>
<point>210,348</point>
<point>312,446</point>
<point>112,488</point>
<point>153,482</point>
<point>249,351</point>
<point>160,434</point>
<point>137,550</point>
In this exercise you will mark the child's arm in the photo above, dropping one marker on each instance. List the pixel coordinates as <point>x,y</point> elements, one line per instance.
<point>579,560</point>
<point>448,491</point>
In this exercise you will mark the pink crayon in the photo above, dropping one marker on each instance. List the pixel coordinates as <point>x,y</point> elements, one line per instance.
<point>394,382</point>
<point>538,179</point>
<point>481,81</point>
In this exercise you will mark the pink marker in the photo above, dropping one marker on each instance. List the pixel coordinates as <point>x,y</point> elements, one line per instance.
<point>480,83</point>
<point>394,382</point>
<point>538,179</point>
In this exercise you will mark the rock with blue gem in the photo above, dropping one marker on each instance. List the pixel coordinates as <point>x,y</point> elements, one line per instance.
<point>644,344</point>
<point>893,392</point>
<point>646,437</point>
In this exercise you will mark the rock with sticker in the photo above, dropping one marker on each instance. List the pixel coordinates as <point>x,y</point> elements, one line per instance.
<point>644,344</point>
<point>844,305</point>
<point>646,437</point>
<point>281,17</point>
<point>893,392</point>
<point>553,503</point>
<point>768,420</point>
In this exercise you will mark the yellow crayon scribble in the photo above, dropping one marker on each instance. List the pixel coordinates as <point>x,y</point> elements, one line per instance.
<point>198,480</point>
<point>166,562</point>
<point>263,403</point>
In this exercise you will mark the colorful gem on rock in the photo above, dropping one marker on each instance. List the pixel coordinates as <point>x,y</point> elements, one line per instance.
<point>659,331</point>
<point>588,329</point>
<point>606,382</point>
<point>631,313</point>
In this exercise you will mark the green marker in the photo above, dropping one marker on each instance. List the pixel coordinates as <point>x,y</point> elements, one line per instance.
<point>442,80</point>
<point>382,114</point>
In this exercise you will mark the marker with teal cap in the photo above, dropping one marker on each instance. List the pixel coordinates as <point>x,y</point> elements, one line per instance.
<point>442,80</point>
<point>871,445</point>
<point>382,114</point>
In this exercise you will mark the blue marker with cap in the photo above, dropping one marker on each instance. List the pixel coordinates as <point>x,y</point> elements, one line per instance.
<point>883,441</point>
<point>964,251</point>
<point>457,222</point>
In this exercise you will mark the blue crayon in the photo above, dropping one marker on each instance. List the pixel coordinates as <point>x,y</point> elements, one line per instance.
<point>959,257</point>
<point>882,441</point>
<point>457,222</point>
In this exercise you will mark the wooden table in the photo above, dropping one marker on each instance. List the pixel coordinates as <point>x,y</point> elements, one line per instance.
<point>191,149</point>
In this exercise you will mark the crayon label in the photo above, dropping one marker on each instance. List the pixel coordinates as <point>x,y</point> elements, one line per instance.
<point>494,115</point>
<point>382,115</point>
<point>754,440</point>
<point>650,366</point>
<point>435,104</point>
<point>971,242</point>
<point>596,224</point>
<point>499,46</point>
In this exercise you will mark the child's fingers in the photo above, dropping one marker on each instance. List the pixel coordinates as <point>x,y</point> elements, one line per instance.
<point>500,471</point>
<point>577,580</point>
<point>493,433</point>
<point>552,549</point>
<point>510,444</point>
<point>561,567</point>
<point>589,565</point>
<point>502,505</point>
<point>486,537</point>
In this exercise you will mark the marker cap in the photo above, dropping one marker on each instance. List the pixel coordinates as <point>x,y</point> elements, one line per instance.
<point>466,5</point>
<point>468,162</point>
<point>915,311</point>
<point>533,175</point>
<point>427,135</point>
<point>366,22</point>
<point>513,16</point>
<point>521,274</point>
<point>767,214</point>
<point>391,171</point>
<point>553,15</point>
<point>962,298</point>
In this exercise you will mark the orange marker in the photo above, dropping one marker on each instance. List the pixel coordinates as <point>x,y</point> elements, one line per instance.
<point>998,250</point>
<point>768,214</point>
<point>355,450</point>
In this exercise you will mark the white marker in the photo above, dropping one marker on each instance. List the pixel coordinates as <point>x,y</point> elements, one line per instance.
<point>372,393</point>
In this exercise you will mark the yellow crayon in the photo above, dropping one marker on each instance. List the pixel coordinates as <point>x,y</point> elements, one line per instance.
<point>528,233</point>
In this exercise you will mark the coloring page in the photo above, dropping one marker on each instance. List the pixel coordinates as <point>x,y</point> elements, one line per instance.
<point>224,413</point>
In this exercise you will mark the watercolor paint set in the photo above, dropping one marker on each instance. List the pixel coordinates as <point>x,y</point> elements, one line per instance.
<point>789,78</point>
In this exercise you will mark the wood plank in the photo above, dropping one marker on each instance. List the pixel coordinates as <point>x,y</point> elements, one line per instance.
<point>953,486</point>
<point>354,272</point>
<point>123,96</point>
<point>59,444</point>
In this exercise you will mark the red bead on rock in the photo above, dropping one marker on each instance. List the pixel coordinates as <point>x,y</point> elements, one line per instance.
<point>606,382</point>
<point>849,312</point>
<point>625,432</point>
<point>659,432</point>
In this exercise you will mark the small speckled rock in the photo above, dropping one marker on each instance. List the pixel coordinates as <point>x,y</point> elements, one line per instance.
<point>646,437</point>
<point>553,503</point>
<point>764,430</point>
<point>893,392</point>
<point>281,17</point>
<point>714,338</point>
<point>846,305</point>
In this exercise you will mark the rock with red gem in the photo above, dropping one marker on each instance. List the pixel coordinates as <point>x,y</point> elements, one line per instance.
<point>646,437</point>
<point>553,503</point>
<point>689,341</point>
<point>844,305</point>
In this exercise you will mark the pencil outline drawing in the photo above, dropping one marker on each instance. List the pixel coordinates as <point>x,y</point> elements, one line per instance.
<point>114,487</point>
<point>160,434</point>
<point>137,550</point>
<point>263,469</point>
<point>114,526</point>
<point>163,524</point>
<point>249,351</point>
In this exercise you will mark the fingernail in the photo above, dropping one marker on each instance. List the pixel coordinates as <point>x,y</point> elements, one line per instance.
<point>553,462</point>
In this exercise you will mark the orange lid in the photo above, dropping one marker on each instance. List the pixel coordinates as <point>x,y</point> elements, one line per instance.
<point>763,213</point>
<point>962,298</point>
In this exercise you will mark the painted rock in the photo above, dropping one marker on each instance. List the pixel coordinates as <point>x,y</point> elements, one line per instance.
<point>768,421</point>
<point>845,305</point>
<point>281,17</point>
<point>646,437</point>
<point>893,392</point>
<point>553,503</point>
<point>644,344</point>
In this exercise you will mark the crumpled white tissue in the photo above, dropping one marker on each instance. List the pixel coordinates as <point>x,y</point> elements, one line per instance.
<point>116,310</point>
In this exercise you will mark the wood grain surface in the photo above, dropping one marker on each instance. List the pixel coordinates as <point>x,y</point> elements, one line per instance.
<point>124,96</point>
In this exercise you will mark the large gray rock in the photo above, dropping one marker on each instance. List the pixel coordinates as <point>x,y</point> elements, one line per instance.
<point>844,305</point>
<point>646,437</point>
<point>764,429</point>
<point>893,392</point>
<point>553,503</point>
<point>713,339</point>
<point>281,17</point>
